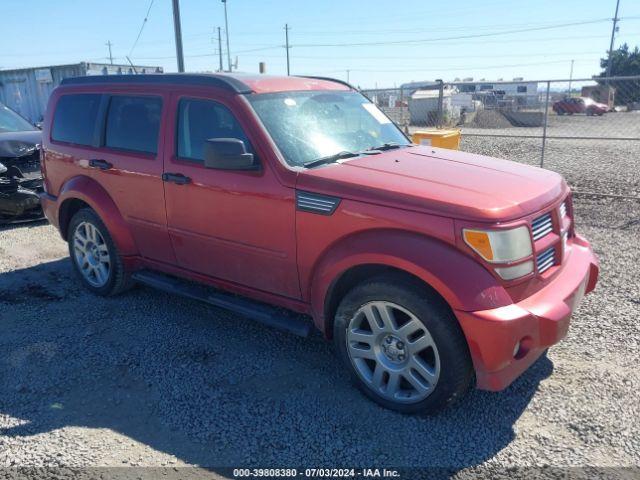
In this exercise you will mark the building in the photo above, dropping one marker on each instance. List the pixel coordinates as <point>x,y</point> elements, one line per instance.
<point>428,107</point>
<point>516,93</point>
<point>26,90</point>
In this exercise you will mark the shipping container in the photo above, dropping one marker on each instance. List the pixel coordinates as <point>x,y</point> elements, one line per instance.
<point>27,90</point>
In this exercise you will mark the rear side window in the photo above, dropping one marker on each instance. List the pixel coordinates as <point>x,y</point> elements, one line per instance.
<point>74,120</point>
<point>133,123</point>
<point>200,120</point>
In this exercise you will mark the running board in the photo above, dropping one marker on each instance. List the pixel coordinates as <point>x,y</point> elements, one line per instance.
<point>271,316</point>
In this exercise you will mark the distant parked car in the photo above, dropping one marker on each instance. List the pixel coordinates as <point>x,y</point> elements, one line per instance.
<point>584,105</point>
<point>20,177</point>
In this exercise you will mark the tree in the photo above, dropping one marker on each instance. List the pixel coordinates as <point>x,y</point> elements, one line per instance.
<point>624,62</point>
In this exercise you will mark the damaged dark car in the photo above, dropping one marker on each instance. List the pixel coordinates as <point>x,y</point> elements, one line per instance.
<point>20,177</point>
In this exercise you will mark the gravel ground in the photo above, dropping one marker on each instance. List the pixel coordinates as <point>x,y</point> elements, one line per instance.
<point>147,379</point>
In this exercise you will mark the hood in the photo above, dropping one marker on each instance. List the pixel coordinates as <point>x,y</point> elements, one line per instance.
<point>19,144</point>
<point>440,181</point>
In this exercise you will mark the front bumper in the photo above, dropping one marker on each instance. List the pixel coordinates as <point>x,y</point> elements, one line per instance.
<point>19,200</point>
<point>537,322</point>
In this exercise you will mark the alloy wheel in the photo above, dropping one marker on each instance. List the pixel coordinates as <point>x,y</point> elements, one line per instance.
<point>393,352</point>
<point>91,254</point>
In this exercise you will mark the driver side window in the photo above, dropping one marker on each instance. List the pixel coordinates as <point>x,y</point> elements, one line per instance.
<point>200,120</point>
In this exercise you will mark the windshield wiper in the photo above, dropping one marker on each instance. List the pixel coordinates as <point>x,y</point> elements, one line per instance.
<point>331,158</point>
<point>387,146</point>
<point>347,154</point>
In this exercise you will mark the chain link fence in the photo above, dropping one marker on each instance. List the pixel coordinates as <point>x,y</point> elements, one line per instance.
<point>586,129</point>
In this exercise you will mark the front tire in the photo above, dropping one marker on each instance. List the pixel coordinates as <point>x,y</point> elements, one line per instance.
<point>94,255</point>
<point>402,345</point>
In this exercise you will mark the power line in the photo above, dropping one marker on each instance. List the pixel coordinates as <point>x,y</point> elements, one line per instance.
<point>430,57</point>
<point>422,29</point>
<point>168,57</point>
<point>466,67</point>
<point>458,37</point>
<point>207,35</point>
<point>144,22</point>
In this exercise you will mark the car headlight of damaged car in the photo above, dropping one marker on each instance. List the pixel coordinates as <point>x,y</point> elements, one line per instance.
<point>503,246</point>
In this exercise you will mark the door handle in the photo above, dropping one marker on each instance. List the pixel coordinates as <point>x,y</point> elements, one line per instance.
<point>99,163</point>
<point>176,178</point>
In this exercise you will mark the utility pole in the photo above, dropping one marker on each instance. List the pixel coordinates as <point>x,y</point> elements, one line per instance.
<point>220,50</point>
<point>570,77</point>
<point>613,34</point>
<point>178,31</point>
<point>348,71</point>
<point>286,37</point>
<point>108,44</point>
<point>226,31</point>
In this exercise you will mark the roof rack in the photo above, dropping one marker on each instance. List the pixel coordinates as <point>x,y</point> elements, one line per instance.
<point>211,80</point>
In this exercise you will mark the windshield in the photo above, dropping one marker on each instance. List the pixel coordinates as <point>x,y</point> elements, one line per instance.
<point>310,125</point>
<point>10,121</point>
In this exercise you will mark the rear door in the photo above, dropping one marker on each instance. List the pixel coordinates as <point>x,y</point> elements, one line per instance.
<point>113,137</point>
<point>130,166</point>
<point>233,225</point>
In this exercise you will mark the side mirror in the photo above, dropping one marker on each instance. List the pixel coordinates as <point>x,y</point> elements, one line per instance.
<point>228,154</point>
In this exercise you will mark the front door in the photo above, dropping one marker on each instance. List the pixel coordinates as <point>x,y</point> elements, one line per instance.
<point>233,225</point>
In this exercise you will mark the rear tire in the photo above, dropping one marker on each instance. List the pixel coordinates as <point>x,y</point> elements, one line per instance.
<point>94,255</point>
<point>402,345</point>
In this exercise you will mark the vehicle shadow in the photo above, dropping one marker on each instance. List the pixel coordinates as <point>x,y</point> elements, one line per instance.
<point>212,388</point>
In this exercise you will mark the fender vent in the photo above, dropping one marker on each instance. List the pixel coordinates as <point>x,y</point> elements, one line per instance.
<point>316,203</point>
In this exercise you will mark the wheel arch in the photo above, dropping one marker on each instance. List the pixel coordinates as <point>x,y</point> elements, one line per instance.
<point>84,192</point>
<point>455,278</point>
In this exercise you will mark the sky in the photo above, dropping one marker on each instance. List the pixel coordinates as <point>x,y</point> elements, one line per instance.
<point>372,43</point>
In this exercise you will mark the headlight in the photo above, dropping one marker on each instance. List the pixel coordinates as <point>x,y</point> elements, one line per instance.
<point>500,246</point>
<point>16,148</point>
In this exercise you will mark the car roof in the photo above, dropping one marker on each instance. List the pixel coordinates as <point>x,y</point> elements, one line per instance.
<point>235,82</point>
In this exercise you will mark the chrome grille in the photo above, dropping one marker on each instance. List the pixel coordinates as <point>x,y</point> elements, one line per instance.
<point>546,259</point>
<point>563,210</point>
<point>541,226</point>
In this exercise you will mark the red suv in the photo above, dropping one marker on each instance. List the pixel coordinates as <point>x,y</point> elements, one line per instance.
<point>296,201</point>
<point>584,105</point>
